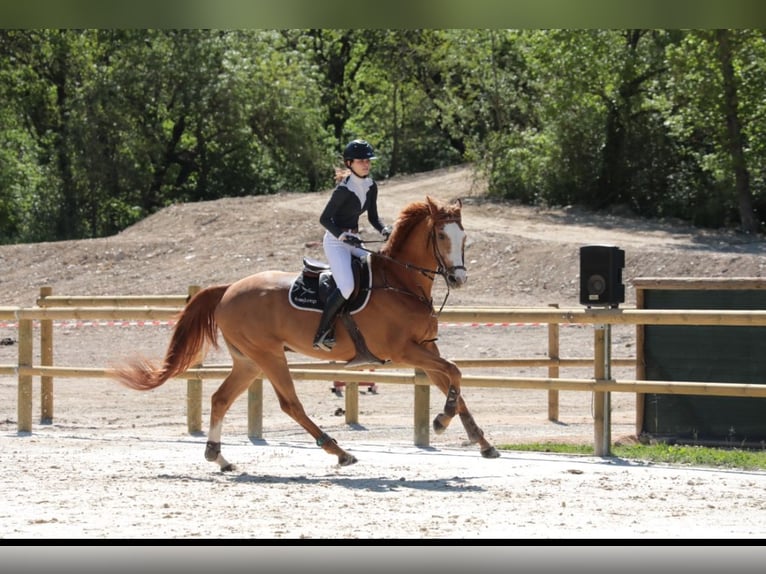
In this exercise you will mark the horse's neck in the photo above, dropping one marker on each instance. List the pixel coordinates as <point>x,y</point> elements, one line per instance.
<point>415,268</point>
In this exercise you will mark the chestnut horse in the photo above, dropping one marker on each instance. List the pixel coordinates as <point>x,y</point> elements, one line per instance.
<point>258,323</point>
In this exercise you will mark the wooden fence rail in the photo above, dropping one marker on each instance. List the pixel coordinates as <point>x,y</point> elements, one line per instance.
<point>602,384</point>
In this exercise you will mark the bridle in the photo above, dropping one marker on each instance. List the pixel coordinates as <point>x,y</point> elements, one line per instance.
<point>442,270</point>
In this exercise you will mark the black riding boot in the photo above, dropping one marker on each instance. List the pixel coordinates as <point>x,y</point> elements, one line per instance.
<point>323,339</point>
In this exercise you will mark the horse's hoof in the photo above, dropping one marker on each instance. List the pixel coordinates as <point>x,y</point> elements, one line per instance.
<point>439,426</point>
<point>228,467</point>
<point>346,459</point>
<point>490,452</point>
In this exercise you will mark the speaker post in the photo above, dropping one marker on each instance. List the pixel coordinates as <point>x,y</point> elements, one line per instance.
<point>601,286</point>
<point>602,400</point>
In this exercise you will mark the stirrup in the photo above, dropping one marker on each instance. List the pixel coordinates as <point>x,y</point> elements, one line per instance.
<point>325,343</point>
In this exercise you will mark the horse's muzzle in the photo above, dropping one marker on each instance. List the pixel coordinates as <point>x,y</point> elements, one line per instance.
<point>457,276</point>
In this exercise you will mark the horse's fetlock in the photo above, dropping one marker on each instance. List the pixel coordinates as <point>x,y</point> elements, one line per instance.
<point>212,451</point>
<point>450,406</point>
<point>475,434</point>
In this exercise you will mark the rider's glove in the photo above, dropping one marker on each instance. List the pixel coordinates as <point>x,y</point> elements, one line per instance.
<point>350,239</point>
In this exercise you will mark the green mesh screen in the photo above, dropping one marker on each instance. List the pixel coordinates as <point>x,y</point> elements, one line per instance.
<point>705,354</point>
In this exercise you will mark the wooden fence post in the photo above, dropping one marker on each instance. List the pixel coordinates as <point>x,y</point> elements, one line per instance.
<point>255,409</point>
<point>194,389</point>
<point>553,370</point>
<point>640,373</point>
<point>601,399</point>
<point>352,403</point>
<point>24,397</point>
<point>46,360</point>
<point>422,409</point>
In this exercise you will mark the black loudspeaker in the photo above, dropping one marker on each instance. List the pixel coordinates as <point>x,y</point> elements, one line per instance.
<point>601,275</point>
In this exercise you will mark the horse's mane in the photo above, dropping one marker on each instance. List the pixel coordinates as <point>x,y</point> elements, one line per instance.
<point>412,215</point>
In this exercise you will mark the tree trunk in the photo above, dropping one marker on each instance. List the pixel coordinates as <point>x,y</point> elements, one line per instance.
<point>735,140</point>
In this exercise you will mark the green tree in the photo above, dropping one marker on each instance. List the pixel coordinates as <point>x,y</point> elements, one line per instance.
<point>43,66</point>
<point>397,102</point>
<point>124,122</point>
<point>592,121</point>
<point>715,96</point>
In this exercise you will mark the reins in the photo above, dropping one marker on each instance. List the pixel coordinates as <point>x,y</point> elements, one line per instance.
<point>428,273</point>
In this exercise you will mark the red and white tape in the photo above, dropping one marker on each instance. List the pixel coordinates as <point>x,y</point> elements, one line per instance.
<point>76,323</point>
<point>154,323</point>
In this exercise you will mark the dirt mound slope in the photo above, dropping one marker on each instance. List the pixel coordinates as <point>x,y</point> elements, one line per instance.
<point>516,255</point>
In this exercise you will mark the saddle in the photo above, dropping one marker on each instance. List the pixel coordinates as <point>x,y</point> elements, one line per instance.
<point>310,289</point>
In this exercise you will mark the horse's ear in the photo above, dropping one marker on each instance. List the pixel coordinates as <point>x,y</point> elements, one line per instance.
<point>457,208</point>
<point>432,207</point>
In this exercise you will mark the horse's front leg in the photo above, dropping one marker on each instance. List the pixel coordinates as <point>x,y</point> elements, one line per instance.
<point>448,380</point>
<point>475,434</point>
<point>443,374</point>
<point>444,418</point>
<point>446,376</point>
<point>454,403</point>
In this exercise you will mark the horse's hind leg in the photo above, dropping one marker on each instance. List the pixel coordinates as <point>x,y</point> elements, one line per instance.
<point>276,370</point>
<point>242,374</point>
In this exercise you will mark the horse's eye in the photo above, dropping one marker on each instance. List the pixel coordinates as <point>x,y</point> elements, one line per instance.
<point>442,235</point>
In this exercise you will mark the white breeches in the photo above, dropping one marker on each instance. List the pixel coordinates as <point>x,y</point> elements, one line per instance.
<point>339,257</point>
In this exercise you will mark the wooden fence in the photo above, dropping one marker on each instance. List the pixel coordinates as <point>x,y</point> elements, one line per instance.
<point>51,308</point>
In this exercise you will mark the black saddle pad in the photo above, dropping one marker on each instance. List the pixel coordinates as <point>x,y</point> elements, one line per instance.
<point>309,289</point>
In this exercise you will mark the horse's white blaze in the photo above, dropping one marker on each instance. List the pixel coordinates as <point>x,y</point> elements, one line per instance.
<point>455,256</point>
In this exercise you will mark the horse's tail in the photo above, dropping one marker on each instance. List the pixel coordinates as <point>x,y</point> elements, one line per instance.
<point>195,325</point>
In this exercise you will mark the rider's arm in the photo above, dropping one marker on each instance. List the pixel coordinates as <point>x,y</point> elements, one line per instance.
<point>332,207</point>
<point>372,208</point>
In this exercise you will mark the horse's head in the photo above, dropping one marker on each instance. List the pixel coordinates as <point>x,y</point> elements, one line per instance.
<point>449,241</point>
<point>429,237</point>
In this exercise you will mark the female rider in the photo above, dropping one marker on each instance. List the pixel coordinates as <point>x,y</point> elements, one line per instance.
<point>355,193</point>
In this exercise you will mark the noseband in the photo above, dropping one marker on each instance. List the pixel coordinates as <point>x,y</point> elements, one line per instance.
<point>442,268</point>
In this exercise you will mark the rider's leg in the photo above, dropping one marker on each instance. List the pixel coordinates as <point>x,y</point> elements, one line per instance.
<point>332,306</point>
<point>339,257</point>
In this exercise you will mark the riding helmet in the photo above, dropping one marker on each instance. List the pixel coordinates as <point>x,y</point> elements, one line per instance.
<point>358,149</point>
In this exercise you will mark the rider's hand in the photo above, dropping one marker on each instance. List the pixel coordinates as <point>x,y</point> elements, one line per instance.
<point>386,231</point>
<point>351,239</point>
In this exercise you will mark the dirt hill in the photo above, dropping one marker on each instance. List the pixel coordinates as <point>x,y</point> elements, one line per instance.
<point>516,255</point>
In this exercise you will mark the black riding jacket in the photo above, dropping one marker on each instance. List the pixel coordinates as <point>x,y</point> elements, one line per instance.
<point>344,207</point>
